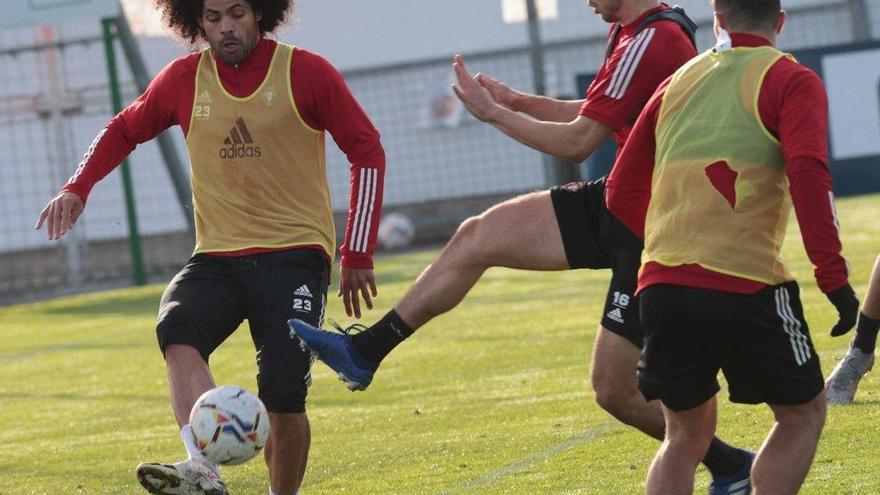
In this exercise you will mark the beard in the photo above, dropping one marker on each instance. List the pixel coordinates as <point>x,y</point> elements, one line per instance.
<point>233,50</point>
<point>611,11</point>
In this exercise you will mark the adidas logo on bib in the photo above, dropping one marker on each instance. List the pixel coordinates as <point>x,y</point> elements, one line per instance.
<point>239,143</point>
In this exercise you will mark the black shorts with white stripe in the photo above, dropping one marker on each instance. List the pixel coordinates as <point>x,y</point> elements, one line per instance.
<point>759,341</point>
<point>212,295</point>
<point>594,238</point>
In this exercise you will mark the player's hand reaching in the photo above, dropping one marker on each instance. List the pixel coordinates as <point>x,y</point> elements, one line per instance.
<point>354,283</point>
<point>476,98</point>
<point>847,304</point>
<point>500,92</point>
<point>61,213</point>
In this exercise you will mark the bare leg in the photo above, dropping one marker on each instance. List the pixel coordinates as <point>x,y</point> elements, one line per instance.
<point>188,378</point>
<point>613,376</point>
<point>520,233</point>
<point>688,434</point>
<point>287,451</point>
<point>787,453</point>
<point>871,305</point>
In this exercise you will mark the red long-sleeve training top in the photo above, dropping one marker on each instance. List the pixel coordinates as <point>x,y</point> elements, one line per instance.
<point>794,107</point>
<point>321,97</point>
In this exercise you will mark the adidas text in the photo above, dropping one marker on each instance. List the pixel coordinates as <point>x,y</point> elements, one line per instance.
<point>240,151</point>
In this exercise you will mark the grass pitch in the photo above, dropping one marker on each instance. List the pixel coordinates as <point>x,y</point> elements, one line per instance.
<point>491,398</point>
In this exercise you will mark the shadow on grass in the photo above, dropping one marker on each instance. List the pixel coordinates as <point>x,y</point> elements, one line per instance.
<point>76,397</point>
<point>73,346</point>
<point>859,403</point>
<point>140,304</point>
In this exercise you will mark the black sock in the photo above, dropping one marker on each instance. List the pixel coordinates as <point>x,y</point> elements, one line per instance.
<point>377,341</point>
<point>866,334</point>
<point>723,459</point>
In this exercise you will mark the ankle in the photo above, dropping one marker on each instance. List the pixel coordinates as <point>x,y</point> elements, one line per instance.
<point>376,342</point>
<point>866,334</point>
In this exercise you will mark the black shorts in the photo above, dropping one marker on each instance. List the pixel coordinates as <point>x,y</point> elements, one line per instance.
<point>596,239</point>
<point>760,341</point>
<point>211,296</point>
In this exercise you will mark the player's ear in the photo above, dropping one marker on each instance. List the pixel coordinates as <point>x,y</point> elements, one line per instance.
<point>780,22</point>
<point>200,22</point>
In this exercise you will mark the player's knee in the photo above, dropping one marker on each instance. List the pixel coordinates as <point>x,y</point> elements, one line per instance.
<point>615,401</point>
<point>287,424</point>
<point>470,241</point>
<point>279,393</point>
<point>175,353</point>
<point>282,400</point>
<point>690,435</point>
<point>808,417</point>
<point>691,443</point>
<point>617,398</point>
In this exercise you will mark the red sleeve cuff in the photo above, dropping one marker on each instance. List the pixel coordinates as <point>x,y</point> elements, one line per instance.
<point>353,261</point>
<point>78,189</point>
<point>829,286</point>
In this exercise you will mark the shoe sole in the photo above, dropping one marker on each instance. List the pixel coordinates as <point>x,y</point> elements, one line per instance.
<point>167,481</point>
<point>164,480</point>
<point>351,385</point>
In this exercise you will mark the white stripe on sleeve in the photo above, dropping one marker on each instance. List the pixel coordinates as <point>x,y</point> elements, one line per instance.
<point>627,65</point>
<point>365,238</point>
<point>88,155</point>
<point>363,214</point>
<point>357,211</point>
<point>643,47</point>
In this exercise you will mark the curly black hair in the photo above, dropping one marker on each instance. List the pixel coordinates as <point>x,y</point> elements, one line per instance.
<point>183,16</point>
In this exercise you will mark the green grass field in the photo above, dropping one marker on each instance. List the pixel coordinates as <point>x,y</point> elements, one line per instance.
<point>491,398</point>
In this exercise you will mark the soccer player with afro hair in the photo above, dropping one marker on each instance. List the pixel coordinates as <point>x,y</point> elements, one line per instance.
<point>254,112</point>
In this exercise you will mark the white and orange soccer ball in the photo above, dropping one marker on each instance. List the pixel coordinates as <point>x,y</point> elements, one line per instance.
<point>229,425</point>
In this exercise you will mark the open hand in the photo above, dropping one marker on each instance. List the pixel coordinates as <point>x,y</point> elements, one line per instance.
<point>500,92</point>
<point>476,98</point>
<point>355,283</point>
<point>61,213</point>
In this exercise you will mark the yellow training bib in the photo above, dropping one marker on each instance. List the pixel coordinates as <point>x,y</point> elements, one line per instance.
<point>258,170</point>
<point>719,191</point>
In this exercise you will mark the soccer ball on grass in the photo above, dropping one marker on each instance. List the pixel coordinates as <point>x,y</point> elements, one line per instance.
<point>396,231</point>
<point>229,425</point>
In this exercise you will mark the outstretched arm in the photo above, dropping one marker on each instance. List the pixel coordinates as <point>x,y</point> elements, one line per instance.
<point>152,112</point>
<point>572,141</point>
<point>536,106</point>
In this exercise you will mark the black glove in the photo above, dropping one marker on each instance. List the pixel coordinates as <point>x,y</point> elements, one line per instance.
<point>847,304</point>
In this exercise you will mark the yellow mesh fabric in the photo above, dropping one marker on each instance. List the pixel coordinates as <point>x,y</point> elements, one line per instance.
<point>709,120</point>
<point>258,171</point>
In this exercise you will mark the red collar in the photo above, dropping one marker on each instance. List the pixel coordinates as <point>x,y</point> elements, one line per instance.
<point>631,27</point>
<point>748,40</point>
<point>258,58</point>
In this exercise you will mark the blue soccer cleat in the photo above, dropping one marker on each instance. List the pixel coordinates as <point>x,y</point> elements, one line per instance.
<point>738,483</point>
<point>337,352</point>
